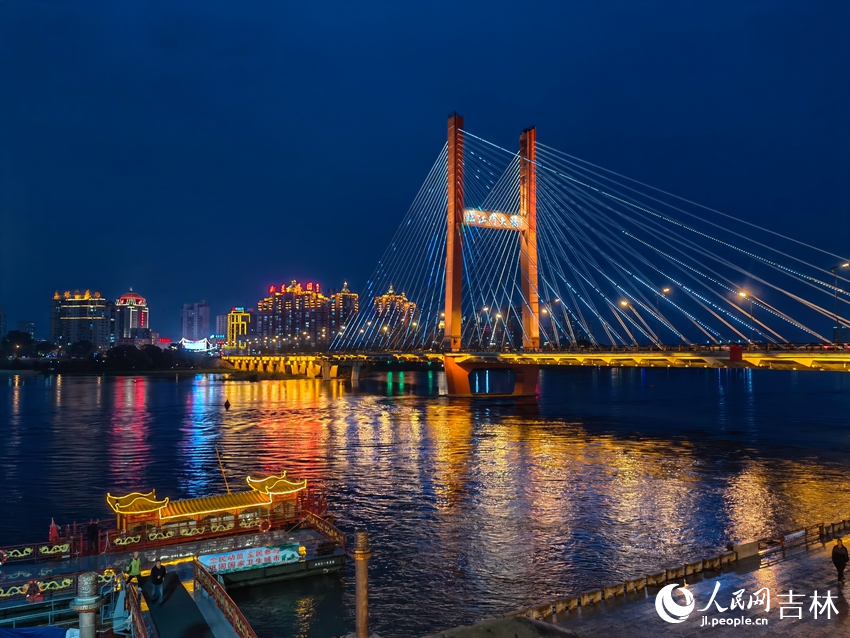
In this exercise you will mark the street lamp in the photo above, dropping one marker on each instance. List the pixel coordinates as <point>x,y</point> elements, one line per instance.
<point>745,295</point>
<point>664,292</point>
<point>834,269</point>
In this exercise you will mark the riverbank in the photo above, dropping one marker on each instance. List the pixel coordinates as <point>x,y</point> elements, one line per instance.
<point>227,372</point>
<point>736,589</point>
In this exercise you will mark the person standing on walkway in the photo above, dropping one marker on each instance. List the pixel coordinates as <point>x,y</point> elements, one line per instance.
<point>839,558</point>
<point>94,537</point>
<point>157,578</point>
<point>134,571</point>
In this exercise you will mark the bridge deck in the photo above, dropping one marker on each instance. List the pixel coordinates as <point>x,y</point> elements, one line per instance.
<point>177,615</point>
<point>802,358</point>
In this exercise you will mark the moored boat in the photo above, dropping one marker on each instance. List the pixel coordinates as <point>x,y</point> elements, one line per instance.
<point>275,530</point>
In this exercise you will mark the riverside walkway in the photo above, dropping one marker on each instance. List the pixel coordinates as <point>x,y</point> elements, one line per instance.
<point>805,572</point>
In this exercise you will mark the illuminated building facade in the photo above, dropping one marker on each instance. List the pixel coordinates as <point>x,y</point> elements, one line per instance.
<point>130,316</point>
<point>393,308</point>
<point>195,321</point>
<point>294,317</point>
<point>343,306</point>
<point>80,316</point>
<point>238,324</point>
<point>394,321</point>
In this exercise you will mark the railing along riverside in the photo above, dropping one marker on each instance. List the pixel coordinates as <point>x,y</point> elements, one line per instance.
<point>326,528</point>
<point>134,610</point>
<point>772,548</point>
<point>768,549</point>
<point>50,584</point>
<point>237,620</point>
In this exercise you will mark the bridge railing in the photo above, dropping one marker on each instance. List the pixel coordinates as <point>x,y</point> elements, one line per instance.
<point>204,579</point>
<point>134,611</point>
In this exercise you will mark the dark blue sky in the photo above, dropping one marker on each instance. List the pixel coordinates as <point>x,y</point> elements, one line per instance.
<point>203,150</point>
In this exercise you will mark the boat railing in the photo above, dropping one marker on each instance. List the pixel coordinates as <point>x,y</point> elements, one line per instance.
<point>134,611</point>
<point>326,528</point>
<point>32,552</point>
<point>187,531</point>
<point>204,579</point>
<point>49,585</point>
<point>73,540</point>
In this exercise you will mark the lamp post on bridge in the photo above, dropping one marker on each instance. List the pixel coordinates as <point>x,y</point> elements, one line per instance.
<point>834,270</point>
<point>664,292</point>
<point>625,304</point>
<point>745,295</point>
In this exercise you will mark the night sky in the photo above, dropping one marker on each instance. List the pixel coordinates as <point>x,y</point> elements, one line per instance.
<point>206,150</point>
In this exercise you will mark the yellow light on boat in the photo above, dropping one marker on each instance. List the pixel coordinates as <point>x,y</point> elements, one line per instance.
<point>196,513</point>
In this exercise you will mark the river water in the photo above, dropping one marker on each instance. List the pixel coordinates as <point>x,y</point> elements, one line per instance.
<point>474,507</point>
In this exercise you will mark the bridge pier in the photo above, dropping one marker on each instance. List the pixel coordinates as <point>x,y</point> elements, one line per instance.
<point>459,377</point>
<point>355,373</point>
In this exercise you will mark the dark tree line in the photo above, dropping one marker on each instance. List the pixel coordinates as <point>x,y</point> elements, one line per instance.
<point>83,356</point>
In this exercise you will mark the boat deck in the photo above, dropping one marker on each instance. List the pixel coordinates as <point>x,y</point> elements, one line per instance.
<point>168,554</point>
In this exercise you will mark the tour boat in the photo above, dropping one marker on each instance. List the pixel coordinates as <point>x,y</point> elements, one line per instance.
<point>275,530</point>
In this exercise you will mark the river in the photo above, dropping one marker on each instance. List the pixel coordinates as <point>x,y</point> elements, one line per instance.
<point>474,507</point>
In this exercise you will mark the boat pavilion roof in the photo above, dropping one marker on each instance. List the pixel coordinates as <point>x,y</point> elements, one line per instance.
<point>262,494</point>
<point>214,504</point>
<point>136,503</point>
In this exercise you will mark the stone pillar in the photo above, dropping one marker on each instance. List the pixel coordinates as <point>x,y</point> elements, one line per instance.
<point>361,555</point>
<point>326,370</point>
<point>355,373</point>
<point>87,602</point>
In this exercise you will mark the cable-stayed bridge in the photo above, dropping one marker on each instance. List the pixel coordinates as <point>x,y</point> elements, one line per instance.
<point>507,260</point>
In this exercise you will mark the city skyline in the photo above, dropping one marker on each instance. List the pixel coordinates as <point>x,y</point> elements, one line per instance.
<point>193,142</point>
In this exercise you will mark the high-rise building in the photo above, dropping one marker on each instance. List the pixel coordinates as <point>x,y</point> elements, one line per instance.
<point>394,321</point>
<point>80,317</point>
<point>393,308</point>
<point>343,306</point>
<point>2,322</point>
<point>221,326</point>
<point>195,321</point>
<point>28,327</point>
<point>293,317</point>
<point>130,315</point>
<point>238,325</point>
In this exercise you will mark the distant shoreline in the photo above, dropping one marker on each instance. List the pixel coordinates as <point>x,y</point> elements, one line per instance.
<point>230,375</point>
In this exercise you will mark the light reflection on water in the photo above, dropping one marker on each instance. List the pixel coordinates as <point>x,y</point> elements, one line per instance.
<point>474,507</point>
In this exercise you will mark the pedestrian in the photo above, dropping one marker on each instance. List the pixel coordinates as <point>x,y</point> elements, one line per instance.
<point>134,571</point>
<point>157,578</point>
<point>94,536</point>
<point>839,558</point>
